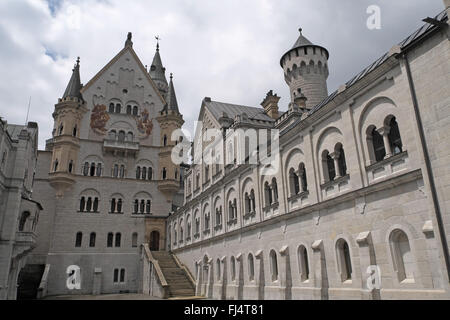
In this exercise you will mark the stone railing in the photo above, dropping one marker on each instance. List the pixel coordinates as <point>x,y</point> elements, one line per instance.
<point>153,281</point>
<point>185,269</point>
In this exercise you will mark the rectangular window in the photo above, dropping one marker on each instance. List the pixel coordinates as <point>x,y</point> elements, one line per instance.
<point>116,276</point>
<point>122,275</point>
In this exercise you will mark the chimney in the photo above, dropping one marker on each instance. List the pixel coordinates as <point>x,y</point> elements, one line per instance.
<point>270,104</point>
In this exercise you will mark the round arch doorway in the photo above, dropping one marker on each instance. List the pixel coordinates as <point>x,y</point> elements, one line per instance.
<point>154,241</point>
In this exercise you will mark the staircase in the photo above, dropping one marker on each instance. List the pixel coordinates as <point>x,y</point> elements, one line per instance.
<point>179,283</point>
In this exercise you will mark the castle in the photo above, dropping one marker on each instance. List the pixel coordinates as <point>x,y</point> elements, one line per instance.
<point>361,190</point>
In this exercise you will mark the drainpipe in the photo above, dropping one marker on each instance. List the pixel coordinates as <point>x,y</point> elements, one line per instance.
<point>430,175</point>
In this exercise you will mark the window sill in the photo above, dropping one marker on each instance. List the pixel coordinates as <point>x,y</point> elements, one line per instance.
<point>231,222</point>
<point>298,195</point>
<point>218,227</point>
<point>115,212</point>
<point>335,181</point>
<point>385,161</point>
<point>207,231</point>
<point>249,215</point>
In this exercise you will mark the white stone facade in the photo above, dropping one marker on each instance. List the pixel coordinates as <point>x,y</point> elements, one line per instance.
<point>317,237</point>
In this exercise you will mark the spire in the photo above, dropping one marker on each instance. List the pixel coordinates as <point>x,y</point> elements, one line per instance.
<point>129,43</point>
<point>157,71</point>
<point>301,41</point>
<point>172,103</point>
<point>74,86</point>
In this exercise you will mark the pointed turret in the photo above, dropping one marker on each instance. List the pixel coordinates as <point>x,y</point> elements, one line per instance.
<point>172,103</point>
<point>74,86</point>
<point>158,73</point>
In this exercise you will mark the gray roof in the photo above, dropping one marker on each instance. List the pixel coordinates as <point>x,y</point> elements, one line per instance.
<point>301,41</point>
<point>416,35</point>
<point>14,130</point>
<point>74,86</point>
<point>172,103</point>
<point>254,113</point>
<point>157,71</point>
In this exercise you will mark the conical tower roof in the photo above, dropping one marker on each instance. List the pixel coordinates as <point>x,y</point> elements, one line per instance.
<point>301,41</point>
<point>172,103</point>
<point>157,71</point>
<point>74,86</point>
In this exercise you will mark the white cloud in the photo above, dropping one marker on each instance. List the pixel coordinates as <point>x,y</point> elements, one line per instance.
<point>228,50</point>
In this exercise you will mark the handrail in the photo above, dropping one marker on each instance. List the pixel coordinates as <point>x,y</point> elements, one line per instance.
<point>182,266</point>
<point>155,262</point>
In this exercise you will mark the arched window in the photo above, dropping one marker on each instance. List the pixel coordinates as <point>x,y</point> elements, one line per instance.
<point>89,204</point>
<point>148,207</point>
<point>116,171</point>
<point>218,269</point>
<point>92,170</point>
<point>122,171</point>
<point>23,220</point>
<point>121,136</point>
<point>86,169</point>
<point>130,136</point>
<point>118,108</point>
<point>268,194</point>
<point>395,140</point>
<point>128,109</point>
<point>118,239</point>
<point>78,239</point>
<point>341,161</point>
<point>61,129</point>
<point>165,140</point>
<point>136,206</point>
<point>275,190</point>
<point>82,204</point>
<point>135,111</point>
<point>344,260</point>
<point>109,241</point>
<point>144,173</point>
<point>303,263</point>
<point>138,172</point>
<point>207,218</point>
<point>75,131</point>
<point>92,240</point>
<point>111,108</point>
<point>293,179</point>
<point>234,209</point>
<point>251,267</point>
<point>112,135</point>
<point>197,224</point>
<point>113,205</point>
<point>329,169</point>
<point>164,173</point>
<point>119,206</point>
<point>375,140</point>
<point>150,173</point>
<point>252,201</point>
<point>70,166</point>
<point>55,165</point>
<point>142,207</point>
<point>401,255</point>
<point>95,207</point>
<point>274,265</point>
<point>233,269</point>
<point>134,240</point>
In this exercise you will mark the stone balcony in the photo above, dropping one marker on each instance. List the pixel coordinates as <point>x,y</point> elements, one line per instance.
<point>115,146</point>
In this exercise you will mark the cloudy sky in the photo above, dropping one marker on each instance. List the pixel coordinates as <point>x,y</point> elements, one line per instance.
<point>227,50</point>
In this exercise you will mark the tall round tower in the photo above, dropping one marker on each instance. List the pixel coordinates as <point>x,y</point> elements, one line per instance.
<point>306,71</point>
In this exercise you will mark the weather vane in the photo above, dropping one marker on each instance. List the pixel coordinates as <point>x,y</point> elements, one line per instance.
<point>157,41</point>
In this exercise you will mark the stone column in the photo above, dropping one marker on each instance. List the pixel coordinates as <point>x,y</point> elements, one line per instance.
<point>320,271</point>
<point>285,274</point>
<point>259,274</point>
<point>335,156</point>
<point>384,131</point>
<point>367,260</point>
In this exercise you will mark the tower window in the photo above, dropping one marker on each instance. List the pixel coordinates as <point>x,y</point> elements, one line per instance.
<point>118,239</point>
<point>109,241</point>
<point>150,173</point>
<point>23,219</point>
<point>164,173</point>
<point>92,240</point>
<point>78,239</point>
<point>394,137</point>
<point>70,166</point>
<point>95,207</point>
<point>55,165</point>
<point>135,111</point>
<point>138,172</point>
<point>92,171</point>
<point>144,173</point>
<point>82,204</point>
<point>74,133</point>
<point>134,240</point>
<point>89,204</point>
<point>111,108</point>
<point>118,108</point>
<point>99,170</point>
<point>128,109</point>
